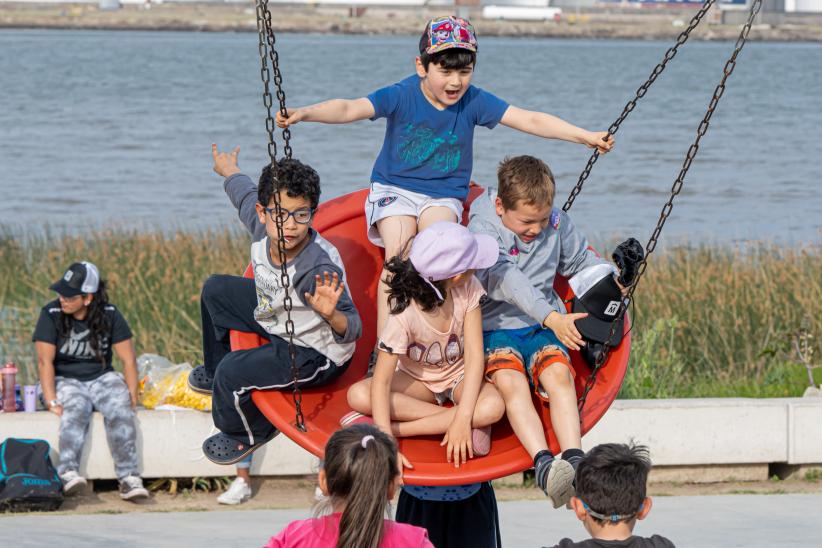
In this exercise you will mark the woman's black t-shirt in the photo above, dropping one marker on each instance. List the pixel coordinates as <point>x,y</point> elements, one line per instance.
<point>74,357</point>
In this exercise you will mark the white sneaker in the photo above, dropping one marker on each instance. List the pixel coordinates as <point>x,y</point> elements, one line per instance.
<point>131,488</point>
<point>238,492</point>
<point>73,482</point>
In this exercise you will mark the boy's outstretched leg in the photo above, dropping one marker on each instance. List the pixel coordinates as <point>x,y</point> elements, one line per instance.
<point>558,382</point>
<point>554,476</point>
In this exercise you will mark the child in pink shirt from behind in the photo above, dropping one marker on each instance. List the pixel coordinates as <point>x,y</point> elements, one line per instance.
<point>430,349</point>
<point>359,477</point>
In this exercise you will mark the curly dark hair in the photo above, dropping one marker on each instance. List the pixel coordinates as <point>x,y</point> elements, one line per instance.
<point>298,179</point>
<point>449,59</point>
<point>405,283</point>
<point>98,322</point>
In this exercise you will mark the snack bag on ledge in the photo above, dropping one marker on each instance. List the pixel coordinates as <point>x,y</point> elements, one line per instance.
<point>165,383</point>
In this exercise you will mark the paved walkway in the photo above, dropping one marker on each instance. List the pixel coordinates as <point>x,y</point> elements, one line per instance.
<point>722,521</point>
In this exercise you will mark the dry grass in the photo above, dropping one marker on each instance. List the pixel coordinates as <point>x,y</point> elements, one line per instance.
<point>708,321</point>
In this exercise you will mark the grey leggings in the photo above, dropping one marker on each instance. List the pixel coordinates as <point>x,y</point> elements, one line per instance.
<point>109,395</point>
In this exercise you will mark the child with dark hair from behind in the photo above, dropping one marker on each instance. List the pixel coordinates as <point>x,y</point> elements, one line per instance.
<point>359,477</point>
<point>610,497</point>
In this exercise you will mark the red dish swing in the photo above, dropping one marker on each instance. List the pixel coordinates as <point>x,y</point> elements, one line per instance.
<point>342,222</point>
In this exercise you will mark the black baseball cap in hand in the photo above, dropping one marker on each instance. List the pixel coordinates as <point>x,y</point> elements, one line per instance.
<point>597,293</point>
<point>80,278</point>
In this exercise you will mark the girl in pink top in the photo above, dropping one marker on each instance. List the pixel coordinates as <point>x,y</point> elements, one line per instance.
<point>431,346</point>
<point>359,477</point>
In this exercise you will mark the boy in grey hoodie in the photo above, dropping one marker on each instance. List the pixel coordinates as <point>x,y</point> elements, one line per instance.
<point>526,330</point>
<point>325,321</point>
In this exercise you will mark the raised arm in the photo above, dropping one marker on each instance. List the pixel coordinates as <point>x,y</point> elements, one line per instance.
<point>334,111</point>
<point>548,126</point>
<point>240,188</point>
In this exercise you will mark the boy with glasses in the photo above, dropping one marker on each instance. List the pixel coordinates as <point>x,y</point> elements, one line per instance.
<point>326,323</point>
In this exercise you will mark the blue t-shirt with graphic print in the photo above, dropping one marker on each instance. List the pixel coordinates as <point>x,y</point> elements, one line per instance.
<point>427,150</point>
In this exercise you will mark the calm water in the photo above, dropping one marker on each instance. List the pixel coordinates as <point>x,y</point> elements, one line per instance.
<point>105,128</point>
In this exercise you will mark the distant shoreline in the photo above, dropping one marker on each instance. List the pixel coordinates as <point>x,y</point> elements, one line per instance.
<point>628,24</point>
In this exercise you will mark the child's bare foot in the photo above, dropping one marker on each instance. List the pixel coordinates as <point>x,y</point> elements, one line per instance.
<point>481,440</point>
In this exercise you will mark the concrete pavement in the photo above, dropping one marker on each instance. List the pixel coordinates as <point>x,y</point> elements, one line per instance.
<point>707,521</point>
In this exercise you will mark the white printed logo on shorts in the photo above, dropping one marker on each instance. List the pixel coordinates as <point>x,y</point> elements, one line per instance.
<point>613,308</point>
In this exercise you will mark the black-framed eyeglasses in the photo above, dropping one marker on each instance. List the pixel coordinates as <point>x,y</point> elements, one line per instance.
<point>302,216</point>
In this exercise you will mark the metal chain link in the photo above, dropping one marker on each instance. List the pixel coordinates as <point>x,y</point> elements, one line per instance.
<point>640,93</point>
<point>278,77</point>
<point>266,44</point>
<point>730,64</point>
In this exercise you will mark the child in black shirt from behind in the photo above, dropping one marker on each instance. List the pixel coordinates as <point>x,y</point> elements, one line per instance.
<point>610,498</point>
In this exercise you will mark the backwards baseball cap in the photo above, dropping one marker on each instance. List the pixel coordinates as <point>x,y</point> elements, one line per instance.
<point>446,249</point>
<point>79,278</point>
<point>448,32</point>
<point>597,293</point>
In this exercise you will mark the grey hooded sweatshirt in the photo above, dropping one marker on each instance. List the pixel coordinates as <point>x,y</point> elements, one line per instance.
<point>520,285</point>
<point>317,257</point>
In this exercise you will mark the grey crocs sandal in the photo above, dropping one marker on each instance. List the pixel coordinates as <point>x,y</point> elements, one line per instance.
<point>200,381</point>
<point>221,449</point>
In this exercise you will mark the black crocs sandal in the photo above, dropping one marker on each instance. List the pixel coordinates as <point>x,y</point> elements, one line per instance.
<point>221,449</point>
<point>200,381</point>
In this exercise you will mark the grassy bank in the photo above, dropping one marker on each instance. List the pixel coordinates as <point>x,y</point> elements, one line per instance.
<point>708,321</point>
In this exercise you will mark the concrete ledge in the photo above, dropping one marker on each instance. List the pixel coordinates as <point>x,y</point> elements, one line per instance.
<point>714,473</point>
<point>169,443</point>
<point>717,430</point>
<point>691,440</point>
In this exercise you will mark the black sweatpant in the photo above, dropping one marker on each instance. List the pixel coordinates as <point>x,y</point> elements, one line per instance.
<point>468,523</point>
<point>228,302</point>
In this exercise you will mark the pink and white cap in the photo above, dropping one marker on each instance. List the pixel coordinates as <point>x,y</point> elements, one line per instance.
<point>446,249</point>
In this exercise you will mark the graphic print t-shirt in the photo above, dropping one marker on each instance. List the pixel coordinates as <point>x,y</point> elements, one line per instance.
<point>74,357</point>
<point>433,357</point>
<point>427,150</point>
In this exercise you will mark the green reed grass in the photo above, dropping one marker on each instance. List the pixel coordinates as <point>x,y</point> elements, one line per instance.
<point>708,321</point>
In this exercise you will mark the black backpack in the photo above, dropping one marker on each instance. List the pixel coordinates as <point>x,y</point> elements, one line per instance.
<point>28,480</point>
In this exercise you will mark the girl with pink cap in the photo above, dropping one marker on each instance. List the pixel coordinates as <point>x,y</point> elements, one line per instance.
<point>430,350</point>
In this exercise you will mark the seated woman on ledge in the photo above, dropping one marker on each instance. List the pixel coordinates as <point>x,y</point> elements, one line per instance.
<point>74,338</point>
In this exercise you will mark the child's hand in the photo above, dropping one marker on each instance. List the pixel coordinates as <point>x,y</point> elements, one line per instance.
<point>225,163</point>
<point>327,291</point>
<point>458,440</point>
<point>293,116</point>
<point>403,462</point>
<point>564,328</point>
<point>597,139</point>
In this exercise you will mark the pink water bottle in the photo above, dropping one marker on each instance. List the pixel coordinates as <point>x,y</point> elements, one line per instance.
<point>9,372</point>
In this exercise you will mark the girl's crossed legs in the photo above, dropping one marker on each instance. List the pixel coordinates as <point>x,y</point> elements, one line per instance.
<point>414,411</point>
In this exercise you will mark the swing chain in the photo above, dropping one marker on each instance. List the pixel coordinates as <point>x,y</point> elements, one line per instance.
<point>640,93</point>
<point>702,129</point>
<point>278,77</point>
<point>267,41</point>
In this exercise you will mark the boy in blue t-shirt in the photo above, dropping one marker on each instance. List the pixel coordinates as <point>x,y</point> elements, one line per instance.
<point>422,173</point>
